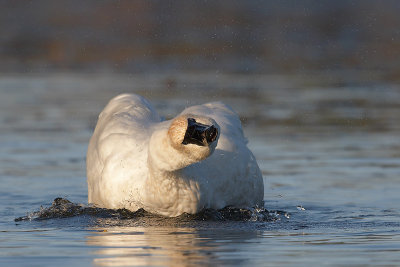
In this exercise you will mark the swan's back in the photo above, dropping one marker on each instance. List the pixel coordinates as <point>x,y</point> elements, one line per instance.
<point>118,149</point>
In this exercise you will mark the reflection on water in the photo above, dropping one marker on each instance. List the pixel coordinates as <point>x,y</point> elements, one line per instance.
<point>301,244</point>
<point>149,246</point>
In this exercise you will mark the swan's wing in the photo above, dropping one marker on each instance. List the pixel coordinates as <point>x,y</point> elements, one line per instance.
<point>227,119</point>
<point>126,116</point>
<point>126,112</point>
<point>120,140</point>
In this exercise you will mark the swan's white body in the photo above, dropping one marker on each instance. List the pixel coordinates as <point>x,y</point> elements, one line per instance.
<point>135,160</point>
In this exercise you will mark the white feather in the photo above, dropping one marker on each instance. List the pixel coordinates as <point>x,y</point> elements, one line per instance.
<point>135,160</point>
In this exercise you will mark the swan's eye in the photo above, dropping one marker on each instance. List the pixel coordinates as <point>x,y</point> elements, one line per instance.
<point>211,134</point>
<point>199,134</point>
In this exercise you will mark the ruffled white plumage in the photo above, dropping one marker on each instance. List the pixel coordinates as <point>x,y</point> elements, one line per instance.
<point>126,170</point>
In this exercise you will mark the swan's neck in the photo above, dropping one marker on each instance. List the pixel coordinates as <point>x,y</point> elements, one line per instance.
<point>170,189</point>
<point>172,193</point>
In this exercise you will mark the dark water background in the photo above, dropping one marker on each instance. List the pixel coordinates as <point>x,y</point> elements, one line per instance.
<point>328,142</point>
<point>236,36</point>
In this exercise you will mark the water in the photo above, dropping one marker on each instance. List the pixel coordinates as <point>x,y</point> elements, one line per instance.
<point>327,145</point>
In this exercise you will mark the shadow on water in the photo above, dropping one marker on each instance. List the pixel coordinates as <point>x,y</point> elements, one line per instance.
<point>63,208</point>
<point>314,218</point>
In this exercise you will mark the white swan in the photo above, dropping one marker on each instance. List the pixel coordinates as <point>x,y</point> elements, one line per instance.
<point>197,160</point>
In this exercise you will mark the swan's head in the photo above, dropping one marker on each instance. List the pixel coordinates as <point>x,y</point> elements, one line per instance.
<point>194,136</point>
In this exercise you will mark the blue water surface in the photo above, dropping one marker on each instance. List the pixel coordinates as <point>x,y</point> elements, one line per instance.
<point>330,158</point>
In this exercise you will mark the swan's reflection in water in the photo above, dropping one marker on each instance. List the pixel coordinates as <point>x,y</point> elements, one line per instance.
<point>166,246</point>
<point>147,246</point>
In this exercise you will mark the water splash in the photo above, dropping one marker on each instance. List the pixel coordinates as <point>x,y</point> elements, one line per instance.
<point>63,208</point>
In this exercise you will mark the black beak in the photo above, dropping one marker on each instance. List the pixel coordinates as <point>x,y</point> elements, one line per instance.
<point>199,134</point>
